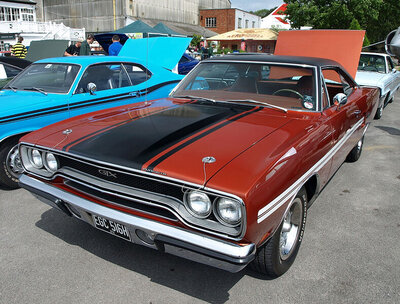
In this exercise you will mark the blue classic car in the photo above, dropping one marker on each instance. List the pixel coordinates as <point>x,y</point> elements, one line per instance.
<point>55,89</point>
<point>186,64</point>
<point>378,70</point>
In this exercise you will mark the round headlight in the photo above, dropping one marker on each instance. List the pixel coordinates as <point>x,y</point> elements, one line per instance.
<point>228,211</point>
<point>198,204</point>
<point>36,159</point>
<point>51,162</point>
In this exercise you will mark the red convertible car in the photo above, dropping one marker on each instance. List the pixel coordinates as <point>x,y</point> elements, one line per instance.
<point>222,172</point>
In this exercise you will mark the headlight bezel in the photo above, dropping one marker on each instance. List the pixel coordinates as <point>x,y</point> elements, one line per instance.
<point>221,219</point>
<point>42,169</point>
<point>214,213</point>
<point>46,162</point>
<point>186,202</point>
<point>32,157</point>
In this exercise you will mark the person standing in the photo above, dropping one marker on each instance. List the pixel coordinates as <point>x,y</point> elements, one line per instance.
<point>19,50</point>
<point>85,47</point>
<point>73,49</point>
<point>115,47</point>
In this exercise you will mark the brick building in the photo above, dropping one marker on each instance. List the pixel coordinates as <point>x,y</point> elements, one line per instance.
<point>225,20</point>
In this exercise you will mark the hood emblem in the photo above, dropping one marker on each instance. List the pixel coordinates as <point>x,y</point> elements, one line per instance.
<point>67,131</point>
<point>209,160</point>
<point>107,173</point>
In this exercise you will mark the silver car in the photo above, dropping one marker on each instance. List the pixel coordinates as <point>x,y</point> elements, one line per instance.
<point>378,70</point>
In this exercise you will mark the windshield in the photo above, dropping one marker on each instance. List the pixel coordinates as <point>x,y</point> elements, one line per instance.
<point>288,87</point>
<point>372,63</point>
<point>48,77</point>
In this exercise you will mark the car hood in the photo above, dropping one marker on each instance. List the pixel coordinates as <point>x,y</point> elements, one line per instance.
<point>168,138</point>
<point>21,102</point>
<point>369,78</point>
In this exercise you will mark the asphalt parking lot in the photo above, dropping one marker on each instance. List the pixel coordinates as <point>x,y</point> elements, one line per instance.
<point>350,252</point>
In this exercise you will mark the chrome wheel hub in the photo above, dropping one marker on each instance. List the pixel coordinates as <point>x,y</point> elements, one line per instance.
<point>291,229</point>
<point>13,162</point>
<point>359,145</point>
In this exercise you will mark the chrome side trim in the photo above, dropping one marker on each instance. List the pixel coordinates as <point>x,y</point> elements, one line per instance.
<point>290,193</point>
<point>205,245</point>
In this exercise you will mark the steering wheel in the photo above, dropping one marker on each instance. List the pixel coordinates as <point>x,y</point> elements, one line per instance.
<point>288,90</point>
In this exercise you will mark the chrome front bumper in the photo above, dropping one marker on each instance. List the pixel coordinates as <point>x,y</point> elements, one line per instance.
<point>174,240</point>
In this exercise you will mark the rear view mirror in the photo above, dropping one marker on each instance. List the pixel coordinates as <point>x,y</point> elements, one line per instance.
<point>340,99</point>
<point>91,87</point>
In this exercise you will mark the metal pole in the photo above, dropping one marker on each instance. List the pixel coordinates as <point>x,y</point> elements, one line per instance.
<point>115,22</point>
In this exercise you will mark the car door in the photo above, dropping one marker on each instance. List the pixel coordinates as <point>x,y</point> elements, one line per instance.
<point>344,119</point>
<point>113,87</point>
<point>394,76</point>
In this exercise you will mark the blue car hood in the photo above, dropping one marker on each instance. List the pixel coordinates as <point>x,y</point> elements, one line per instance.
<point>165,51</point>
<point>12,103</point>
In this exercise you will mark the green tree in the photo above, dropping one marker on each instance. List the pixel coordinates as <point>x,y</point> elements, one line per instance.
<point>355,25</point>
<point>377,17</point>
<point>263,12</point>
<point>195,40</point>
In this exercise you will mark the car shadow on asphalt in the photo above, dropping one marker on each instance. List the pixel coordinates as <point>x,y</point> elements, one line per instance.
<point>191,278</point>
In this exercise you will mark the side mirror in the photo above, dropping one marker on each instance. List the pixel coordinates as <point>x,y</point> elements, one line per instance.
<point>340,99</point>
<point>91,87</point>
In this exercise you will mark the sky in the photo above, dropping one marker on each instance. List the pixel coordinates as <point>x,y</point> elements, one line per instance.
<point>255,5</point>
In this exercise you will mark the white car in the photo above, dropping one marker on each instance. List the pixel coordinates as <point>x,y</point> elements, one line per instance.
<point>378,70</point>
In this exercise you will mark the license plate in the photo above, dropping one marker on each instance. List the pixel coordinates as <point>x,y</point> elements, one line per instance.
<point>112,227</point>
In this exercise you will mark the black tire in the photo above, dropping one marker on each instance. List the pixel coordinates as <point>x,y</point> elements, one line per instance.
<point>355,153</point>
<point>272,259</point>
<point>379,112</point>
<point>9,159</point>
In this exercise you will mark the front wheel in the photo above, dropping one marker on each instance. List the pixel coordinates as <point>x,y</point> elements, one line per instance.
<point>379,112</point>
<point>11,166</point>
<point>278,254</point>
<point>355,153</point>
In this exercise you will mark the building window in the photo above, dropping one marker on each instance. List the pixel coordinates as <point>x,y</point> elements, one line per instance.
<point>27,14</point>
<point>9,14</point>
<point>247,23</point>
<point>16,14</point>
<point>211,22</point>
<point>240,23</point>
<point>254,24</point>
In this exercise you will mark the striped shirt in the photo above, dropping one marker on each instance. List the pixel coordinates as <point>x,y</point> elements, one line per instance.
<point>19,50</point>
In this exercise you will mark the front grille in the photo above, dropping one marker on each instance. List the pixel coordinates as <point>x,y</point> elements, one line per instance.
<point>130,180</point>
<point>132,203</point>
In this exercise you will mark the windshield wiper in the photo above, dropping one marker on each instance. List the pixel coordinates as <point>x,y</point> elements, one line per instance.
<point>36,89</point>
<point>195,97</point>
<point>258,103</point>
<point>12,88</point>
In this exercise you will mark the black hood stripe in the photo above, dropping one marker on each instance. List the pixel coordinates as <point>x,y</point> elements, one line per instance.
<point>83,104</point>
<point>136,142</point>
<point>87,136</point>
<point>192,140</point>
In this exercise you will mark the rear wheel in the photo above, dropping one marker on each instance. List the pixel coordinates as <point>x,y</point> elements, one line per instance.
<point>355,153</point>
<point>278,254</point>
<point>11,166</point>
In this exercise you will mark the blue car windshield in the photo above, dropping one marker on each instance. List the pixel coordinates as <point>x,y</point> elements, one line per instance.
<point>46,77</point>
